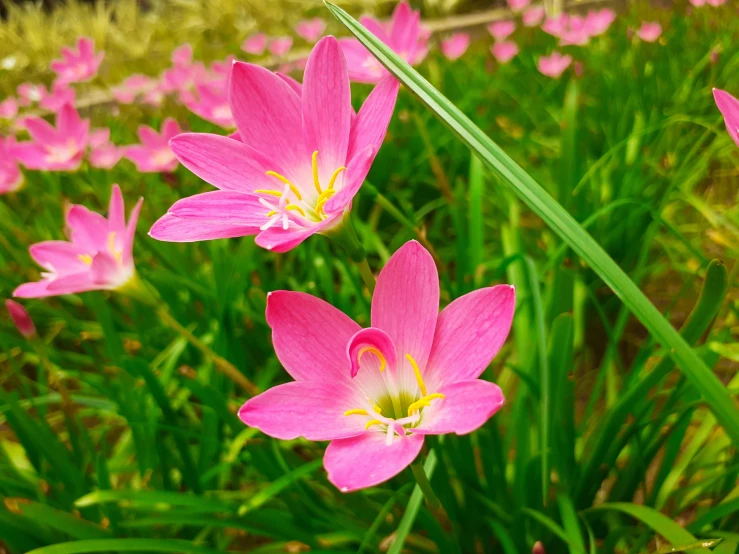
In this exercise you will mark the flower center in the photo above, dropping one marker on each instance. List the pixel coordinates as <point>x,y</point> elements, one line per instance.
<point>117,254</point>
<point>62,154</point>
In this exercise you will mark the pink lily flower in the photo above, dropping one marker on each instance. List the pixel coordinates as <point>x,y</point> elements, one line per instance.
<point>649,31</point>
<point>504,51</point>
<point>211,103</point>
<point>454,46</point>
<point>8,108</point>
<point>598,21</point>
<point>301,157</point>
<point>80,64</point>
<point>729,107</point>
<point>404,33</point>
<point>59,148</point>
<point>30,93</point>
<point>255,44</point>
<point>376,392</point>
<point>533,16</point>
<point>11,177</point>
<point>61,93</point>
<point>554,65</point>
<point>501,30</point>
<point>154,155</point>
<point>518,5</point>
<point>555,26</point>
<point>133,86</point>
<point>103,153</point>
<point>311,29</point>
<point>21,319</point>
<point>280,46</point>
<point>98,256</point>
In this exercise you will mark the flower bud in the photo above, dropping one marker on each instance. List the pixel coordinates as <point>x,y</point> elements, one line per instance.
<point>20,317</point>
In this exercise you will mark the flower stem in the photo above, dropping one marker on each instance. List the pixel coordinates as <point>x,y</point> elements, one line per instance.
<point>425,485</point>
<point>367,276</point>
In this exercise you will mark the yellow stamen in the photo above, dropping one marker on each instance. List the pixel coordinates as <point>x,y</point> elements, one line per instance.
<point>424,402</point>
<point>377,409</point>
<point>111,246</point>
<point>372,422</point>
<point>419,379</point>
<point>314,163</point>
<point>271,213</point>
<point>269,191</point>
<point>374,351</point>
<point>334,176</point>
<point>296,208</point>
<point>322,199</point>
<point>293,188</point>
<point>356,412</point>
<point>85,259</point>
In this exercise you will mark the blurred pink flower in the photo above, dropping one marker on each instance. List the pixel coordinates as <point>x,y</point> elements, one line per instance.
<point>501,30</point>
<point>598,21</point>
<point>255,44</point>
<point>59,148</point>
<point>11,177</point>
<point>98,256</point>
<point>555,26</point>
<point>133,86</point>
<point>404,33</point>
<point>211,103</point>
<point>716,3</point>
<point>518,5</point>
<point>729,107</point>
<point>21,319</point>
<point>554,65</point>
<point>30,93</point>
<point>61,93</point>
<point>376,392</point>
<point>649,31</point>
<point>8,108</point>
<point>80,64</point>
<point>698,3</point>
<point>280,46</point>
<point>154,155</point>
<point>456,45</point>
<point>300,157</point>
<point>311,29</point>
<point>533,16</point>
<point>103,154</point>
<point>182,55</point>
<point>504,51</point>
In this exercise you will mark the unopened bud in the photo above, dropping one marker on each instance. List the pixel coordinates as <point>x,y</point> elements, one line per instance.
<point>538,548</point>
<point>20,317</point>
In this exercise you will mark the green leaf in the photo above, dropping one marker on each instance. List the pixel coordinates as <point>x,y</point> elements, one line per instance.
<point>561,222</point>
<point>126,545</point>
<point>705,543</point>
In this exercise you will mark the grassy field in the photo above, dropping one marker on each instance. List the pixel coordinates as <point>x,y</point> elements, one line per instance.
<point>118,422</point>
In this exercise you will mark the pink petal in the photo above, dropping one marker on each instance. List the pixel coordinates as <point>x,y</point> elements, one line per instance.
<point>469,333</point>
<point>224,207</point>
<point>375,27</point>
<point>277,239</point>
<point>310,409</point>
<point>174,229</point>
<point>30,154</point>
<point>149,137</point>
<point>267,115</point>
<point>89,230</point>
<point>32,290</point>
<point>310,337</point>
<point>405,29</point>
<point>370,126</point>
<point>116,211</point>
<point>170,128</point>
<point>356,171</point>
<point>365,460</point>
<point>406,304</point>
<point>72,284</point>
<point>133,219</point>
<point>63,256</point>
<point>41,131</point>
<point>70,125</point>
<point>362,350</point>
<point>729,107</point>
<point>357,57</point>
<point>327,106</point>
<point>86,47</point>
<point>466,406</point>
<point>297,87</point>
<point>104,270</point>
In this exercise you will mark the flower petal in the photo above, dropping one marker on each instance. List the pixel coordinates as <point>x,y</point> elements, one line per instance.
<point>469,333</point>
<point>406,304</point>
<point>356,171</point>
<point>33,290</point>
<point>370,126</point>
<point>133,219</point>
<point>310,409</point>
<point>169,228</point>
<point>104,270</point>
<point>405,29</point>
<point>729,107</point>
<point>310,336</point>
<point>365,460</point>
<point>116,211</point>
<point>63,257</point>
<point>362,66</point>
<point>87,229</point>
<point>466,406</point>
<point>225,207</point>
<point>277,239</point>
<point>72,284</point>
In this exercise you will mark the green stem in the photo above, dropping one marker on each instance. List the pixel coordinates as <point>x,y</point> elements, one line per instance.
<point>367,276</point>
<point>425,485</point>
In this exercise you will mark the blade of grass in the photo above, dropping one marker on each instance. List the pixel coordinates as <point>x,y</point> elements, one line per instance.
<point>126,545</point>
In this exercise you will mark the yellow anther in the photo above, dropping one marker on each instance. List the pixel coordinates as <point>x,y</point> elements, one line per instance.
<point>372,422</point>
<point>374,351</point>
<point>314,163</point>
<point>356,412</point>
<point>271,213</point>
<point>269,191</point>
<point>377,409</point>
<point>419,379</point>
<point>424,402</point>
<point>334,176</point>
<point>293,188</point>
<point>322,199</point>
<point>85,259</point>
<point>296,208</point>
<point>111,247</point>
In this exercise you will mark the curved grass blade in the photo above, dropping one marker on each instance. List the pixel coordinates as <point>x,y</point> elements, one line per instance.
<point>126,545</point>
<point>556,217</point>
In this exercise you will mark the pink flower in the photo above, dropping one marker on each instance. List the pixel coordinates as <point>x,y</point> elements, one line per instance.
<point>182,55</point>
<point>103,153</point>
<point>598,21</point>
<point>301,157</point>
<point>8,108</point>
<point>311,29</point>
<point>518,5</point>
<point>59,148</point>
<point>280,46</point>
<point>554,65</point>
<point>80,64</point>
<point>404,34</point>
<point>99,254</point>
<point>154,155</point>
<point>504,51</point>
<point>21,319</point>
<point>649,31</point>
<point>716,3</point>
<point>729,107</point>
<point>61,93</point>
<point>11,177</point>
<point>501,30</point>
<point>698,3</point>
<point>376,392</point>
<point>30,93</point>
<point>255,44</point>
<point>128,90</point>
<point>533,16</point>
<point>211,103</point>
<point>555,26</point>
<point>456,45</point>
